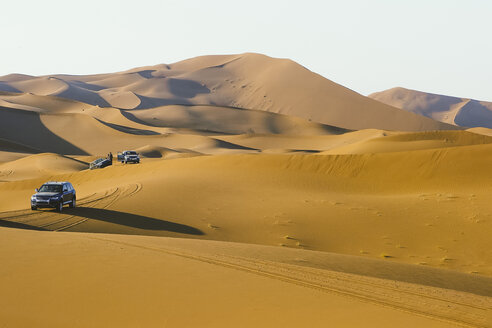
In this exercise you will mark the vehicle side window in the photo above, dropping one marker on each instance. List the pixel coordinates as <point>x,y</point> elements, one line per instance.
<point>65,188</point>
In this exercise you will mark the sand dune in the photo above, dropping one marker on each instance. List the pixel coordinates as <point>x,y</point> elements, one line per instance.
<point>123,100</point>
<point>16,77</point>
<point>228,120</point>
<point>135,129</point>
<point>482,131</point>
<point>26,128</point>
<point>40,165</point>
<point>399,142</point>
<point>248,81</point>
<point>201,129</point>
<point>43,104</point>
<point>163,152</point>
<point>9,146</point>
<point>196,128</point>
<point>48,133</point>
<point>360,142</point>
<point>111,81</point>
<point>11,151</point>
<point>43,86</point>
<point>8,104</point>
<point>458,111</point>
<point>87,132</point>
<point>267,196</point>
<point>315,202</point>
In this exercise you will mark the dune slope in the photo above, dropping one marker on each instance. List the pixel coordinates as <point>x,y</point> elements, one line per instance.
<point>362,204</point>
<point>453,110</point>
<point>173,282</point>
<point>248,81</point>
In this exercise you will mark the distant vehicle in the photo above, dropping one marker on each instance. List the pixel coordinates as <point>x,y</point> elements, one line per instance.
<point>128,156</point>
<point>100,163</point>
<point>55,195</point>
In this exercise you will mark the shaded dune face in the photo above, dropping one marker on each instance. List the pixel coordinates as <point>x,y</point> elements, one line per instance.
<point>227,120</point>
<point>134,221</point>
<point>475,114</point>
<point>7,88</point>
<point>26,128</point>
<point>186,88</point>
<point>453,110</point>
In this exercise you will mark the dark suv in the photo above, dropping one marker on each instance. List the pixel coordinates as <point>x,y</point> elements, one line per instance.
<point>54,194</point>
<point>100,163</point>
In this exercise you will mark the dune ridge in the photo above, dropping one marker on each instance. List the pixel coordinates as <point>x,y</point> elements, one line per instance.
<point>452,110</point>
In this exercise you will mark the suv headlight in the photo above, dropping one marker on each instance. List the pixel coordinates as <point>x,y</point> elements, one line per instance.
<point>33,197</point>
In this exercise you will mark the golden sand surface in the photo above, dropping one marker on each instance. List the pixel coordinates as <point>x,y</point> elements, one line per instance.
<point>267,196</point>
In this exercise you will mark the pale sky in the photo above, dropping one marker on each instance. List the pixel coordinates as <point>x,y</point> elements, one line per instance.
<point>436,46</point>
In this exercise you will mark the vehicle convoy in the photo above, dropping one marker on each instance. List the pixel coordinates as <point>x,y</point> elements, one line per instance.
<point>128,156</point>
<point>100,163</point>
<point>54,195</point>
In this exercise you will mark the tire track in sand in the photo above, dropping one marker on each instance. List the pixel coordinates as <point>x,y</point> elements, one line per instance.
<point>106,202</point>
<point>50,220</point>
<point>460,308</point>
<point>21,215</point>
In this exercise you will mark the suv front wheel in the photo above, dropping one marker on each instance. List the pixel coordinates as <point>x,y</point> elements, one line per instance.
<point>72,204</point>
<point>59,207</point>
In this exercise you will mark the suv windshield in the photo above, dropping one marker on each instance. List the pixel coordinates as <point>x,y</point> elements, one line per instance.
<point>131,153</point>
<point>50,188</point>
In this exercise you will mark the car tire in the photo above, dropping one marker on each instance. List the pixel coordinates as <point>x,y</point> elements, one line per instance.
<point>73,203</point>
<point>33,208</point>
<point>59,207</point>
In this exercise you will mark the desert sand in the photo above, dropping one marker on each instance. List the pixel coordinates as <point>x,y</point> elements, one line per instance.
<point>267,196</point>
<point>452,110</point>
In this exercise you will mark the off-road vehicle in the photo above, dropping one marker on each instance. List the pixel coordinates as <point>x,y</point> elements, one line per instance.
<point>100,163</point>
<point>55,195</point>
<point>128,156</point>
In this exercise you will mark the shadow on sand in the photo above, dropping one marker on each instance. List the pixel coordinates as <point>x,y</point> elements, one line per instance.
<point>17,225</point>
<point>132,220</point>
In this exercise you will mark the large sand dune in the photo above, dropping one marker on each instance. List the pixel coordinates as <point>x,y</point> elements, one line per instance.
<point>453,110</point>
<point>267,196</point>
<point>248,81</point>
